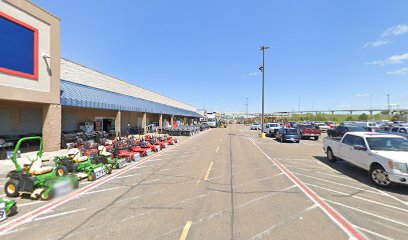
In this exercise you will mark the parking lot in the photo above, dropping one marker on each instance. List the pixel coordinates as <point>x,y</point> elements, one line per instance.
<point>222,184</point>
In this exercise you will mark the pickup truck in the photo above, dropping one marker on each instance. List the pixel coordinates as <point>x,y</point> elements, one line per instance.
<point>308,131</point>
<point>384,156</point>
<point>271,128</point>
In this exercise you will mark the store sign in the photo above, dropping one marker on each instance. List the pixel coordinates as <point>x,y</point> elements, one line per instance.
<point>18,48</point>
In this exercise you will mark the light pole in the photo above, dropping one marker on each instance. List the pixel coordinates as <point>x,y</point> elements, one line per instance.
<point>262,68</point>
<point>246,105</point>
<point>388,104</point>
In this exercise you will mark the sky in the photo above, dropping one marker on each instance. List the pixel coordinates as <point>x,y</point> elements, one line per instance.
<point>323,54</point>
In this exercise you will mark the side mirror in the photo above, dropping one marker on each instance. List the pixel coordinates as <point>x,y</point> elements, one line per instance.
<point>360,147</point>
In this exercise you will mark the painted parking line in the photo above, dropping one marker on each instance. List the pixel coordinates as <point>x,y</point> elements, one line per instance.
<point>282,222</point>
<point>185,230</point>
<point>9,225</point>
<point>342,222</point>
<point>208,171</point>
<point>59,214</point>
<point>368,213</point>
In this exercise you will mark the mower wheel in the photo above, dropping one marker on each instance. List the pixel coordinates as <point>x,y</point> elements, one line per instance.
<point>12,211</point>
<point>108,169</point>
<point>114,166</point>
<point>92,177</point>
<point>11,188</point>
<point>61,171</point>
<point>47,196</point>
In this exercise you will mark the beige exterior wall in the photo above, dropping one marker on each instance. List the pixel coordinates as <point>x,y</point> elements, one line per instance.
<point>77,73</point>
<point>47,88</point>
<point>73,116</point>
<point>18,118</point>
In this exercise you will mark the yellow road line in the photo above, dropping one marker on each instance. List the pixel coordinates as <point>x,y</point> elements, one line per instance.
<point>208,171</point>
<point>201,177</point>
<point>185,230</point>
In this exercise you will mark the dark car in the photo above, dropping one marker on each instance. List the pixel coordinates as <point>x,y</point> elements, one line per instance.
<point>339,131</point>
<point>287,135</point>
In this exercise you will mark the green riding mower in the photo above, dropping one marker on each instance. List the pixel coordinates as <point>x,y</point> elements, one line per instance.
<point>106,158</point>
<point>8,208</point>
<point>35,179</point>
<point>81,166</point>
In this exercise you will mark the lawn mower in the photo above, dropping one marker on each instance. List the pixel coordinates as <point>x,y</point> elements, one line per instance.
<point>146,144</point>
<point>121,151</point>
<point>81,166</point>
<point>106,158</point>
<point>155,141</point>
<point>36,179</point>
<point>139,149</point>
<point>8,208</point>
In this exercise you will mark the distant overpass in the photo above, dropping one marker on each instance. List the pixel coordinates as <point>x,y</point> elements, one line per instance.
<point>350,111</point>
<point>330,111</point>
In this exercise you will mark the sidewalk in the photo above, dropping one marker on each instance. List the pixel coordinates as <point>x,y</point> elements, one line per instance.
<point>7,165</point>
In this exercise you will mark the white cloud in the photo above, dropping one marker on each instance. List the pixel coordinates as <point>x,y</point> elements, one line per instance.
<point>396,30</point>
<point>399,72</point>
<point>395,59</point>
<point>377,43</point>
<point>253,74</point>
<point>363,95</point>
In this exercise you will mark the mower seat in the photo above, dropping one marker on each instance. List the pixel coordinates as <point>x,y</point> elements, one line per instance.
<point>37,168</point>
<point>103,152</point>
<point>75,155</point>
<point>80,159</point>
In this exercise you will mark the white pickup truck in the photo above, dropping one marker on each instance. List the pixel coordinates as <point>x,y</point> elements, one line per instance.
<point>385,156</point>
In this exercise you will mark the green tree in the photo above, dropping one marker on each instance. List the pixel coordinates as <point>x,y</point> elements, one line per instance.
<point>349,118</point>
<point>363,117</point>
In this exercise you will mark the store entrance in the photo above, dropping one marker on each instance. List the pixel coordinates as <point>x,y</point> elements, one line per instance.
<point>105,124</point>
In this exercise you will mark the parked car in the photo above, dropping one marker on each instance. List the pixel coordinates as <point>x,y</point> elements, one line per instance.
<point>322,126</point>
<point>287,135</point>
<point>331,124</point>
<point>271,128</point>
<point>308,131</point>
<point>339,131</point>
<point>255,126</point>
<point>366,124</point>
<point>385,156</point>
<point>401,131</point>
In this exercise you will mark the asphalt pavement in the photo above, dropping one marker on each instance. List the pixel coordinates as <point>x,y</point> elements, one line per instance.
<point>222,184</point>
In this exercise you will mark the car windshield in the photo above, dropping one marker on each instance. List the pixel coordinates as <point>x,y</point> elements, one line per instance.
<point>291,131</point>
<point>320,124</point>
<point>387,144</point>
<point>274,125</point>
<point>357,129</point>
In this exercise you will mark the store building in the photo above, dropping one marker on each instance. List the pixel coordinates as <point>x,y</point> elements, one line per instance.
<point>40,93</point>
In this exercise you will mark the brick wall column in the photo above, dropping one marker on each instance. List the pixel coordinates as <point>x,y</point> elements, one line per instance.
<point>118,123</point>
<point>171,120</point>
<point>144,119</point>
<point>161,121</point>
<point>51,128</point>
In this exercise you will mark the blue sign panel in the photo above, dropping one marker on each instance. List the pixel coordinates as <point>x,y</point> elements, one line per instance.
<point>18,47</point>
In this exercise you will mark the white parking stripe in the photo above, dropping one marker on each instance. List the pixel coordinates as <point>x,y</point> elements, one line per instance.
<point>58,214</point>
<point>360,198</point>
<point>368,213</point>
<point>282,222</point>
<point>102,190</point>
<point>374,233</point>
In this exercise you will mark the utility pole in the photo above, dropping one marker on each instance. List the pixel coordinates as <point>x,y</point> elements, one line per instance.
<point>262,68</point>
<point>388,104</point>
<point>246,105</point>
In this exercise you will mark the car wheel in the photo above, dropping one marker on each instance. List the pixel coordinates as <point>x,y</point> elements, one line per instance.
<point>379,176</point>
<point>316,138</point>
<point>330,156</point>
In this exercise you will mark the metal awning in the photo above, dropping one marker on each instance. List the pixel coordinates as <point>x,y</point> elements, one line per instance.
<point>78,95</point>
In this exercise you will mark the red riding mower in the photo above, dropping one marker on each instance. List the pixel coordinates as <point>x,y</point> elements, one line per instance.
<point>153,140</point>
<point>120,150</point>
